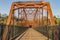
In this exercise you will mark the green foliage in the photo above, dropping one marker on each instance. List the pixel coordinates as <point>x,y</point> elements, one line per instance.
<point>57,20</point>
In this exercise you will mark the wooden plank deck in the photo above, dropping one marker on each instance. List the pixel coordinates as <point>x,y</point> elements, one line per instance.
<point>32,34</point>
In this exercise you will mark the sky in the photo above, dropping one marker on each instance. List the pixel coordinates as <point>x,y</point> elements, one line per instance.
<point>5,6</point>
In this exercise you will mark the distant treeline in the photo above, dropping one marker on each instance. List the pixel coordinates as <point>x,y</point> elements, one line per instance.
<point>3,18</point>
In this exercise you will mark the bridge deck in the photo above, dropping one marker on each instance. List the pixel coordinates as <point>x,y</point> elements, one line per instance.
<point>32,34</point>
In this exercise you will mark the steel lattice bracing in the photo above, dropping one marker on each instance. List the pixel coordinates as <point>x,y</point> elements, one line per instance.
<point>24,5</point>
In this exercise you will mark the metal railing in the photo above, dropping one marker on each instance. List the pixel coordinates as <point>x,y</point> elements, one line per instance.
<point>13,31</point>
<point>49,31</point>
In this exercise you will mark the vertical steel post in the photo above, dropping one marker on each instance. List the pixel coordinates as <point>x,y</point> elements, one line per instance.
<point>13,28</point>
<point>56,33</point>
<point>39,18</point>
<point>42,21</point>
<point>18,16</point>
<point>47,26</point>
<point>21,17</point>
<point>42,17</point>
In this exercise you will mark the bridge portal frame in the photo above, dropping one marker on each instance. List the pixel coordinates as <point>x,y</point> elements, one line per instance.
<point>28,5</point>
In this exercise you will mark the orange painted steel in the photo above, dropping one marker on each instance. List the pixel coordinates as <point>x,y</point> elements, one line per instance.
<point>24,5</point>
<point>8,22</point>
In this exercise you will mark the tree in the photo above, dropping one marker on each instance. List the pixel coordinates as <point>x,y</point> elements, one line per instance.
<point>0,15</point>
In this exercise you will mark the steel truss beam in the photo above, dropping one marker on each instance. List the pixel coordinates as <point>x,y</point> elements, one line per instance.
<point>24,5</point>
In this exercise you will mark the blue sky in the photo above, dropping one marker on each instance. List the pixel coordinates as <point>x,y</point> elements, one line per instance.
<point>6,4</point>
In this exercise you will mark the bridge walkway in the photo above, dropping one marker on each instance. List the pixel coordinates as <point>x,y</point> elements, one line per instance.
<point>31,34</point>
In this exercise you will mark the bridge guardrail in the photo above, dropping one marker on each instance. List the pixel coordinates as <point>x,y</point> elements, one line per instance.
<point>48,31</point>
<point>13,31</point>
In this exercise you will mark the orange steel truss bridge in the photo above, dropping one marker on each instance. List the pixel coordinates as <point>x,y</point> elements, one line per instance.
<point>24,10</point>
